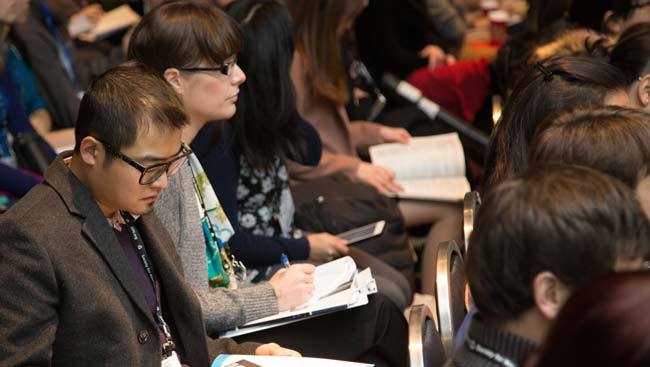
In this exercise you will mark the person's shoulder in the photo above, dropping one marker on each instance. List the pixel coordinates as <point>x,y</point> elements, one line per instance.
<point>37,212</point>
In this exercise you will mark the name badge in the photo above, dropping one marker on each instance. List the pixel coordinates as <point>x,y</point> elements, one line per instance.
<point>171,361</point>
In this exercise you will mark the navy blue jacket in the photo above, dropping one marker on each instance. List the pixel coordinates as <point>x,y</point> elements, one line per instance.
<point>221,163</point>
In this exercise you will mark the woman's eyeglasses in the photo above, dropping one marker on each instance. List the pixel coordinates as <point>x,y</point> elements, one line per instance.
<point>151,174</point>
<point>226,68</point>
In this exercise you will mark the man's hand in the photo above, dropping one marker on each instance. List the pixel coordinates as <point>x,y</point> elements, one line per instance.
<point>293,286</point>
<point>378,177</point>
<point>326,247</point>
<point>394,135</point>
<point>273,349</point>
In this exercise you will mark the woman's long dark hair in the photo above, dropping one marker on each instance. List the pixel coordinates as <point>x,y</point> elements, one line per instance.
<point>546,88</point>
<point>632,51</point>
<point>265,124</point>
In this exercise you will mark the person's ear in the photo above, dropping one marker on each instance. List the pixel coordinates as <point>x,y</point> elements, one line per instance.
<point>643,91</point>
<point>612,25</point>
<point>550,294</point>
<point>175,79</point>
<point>90,151</point>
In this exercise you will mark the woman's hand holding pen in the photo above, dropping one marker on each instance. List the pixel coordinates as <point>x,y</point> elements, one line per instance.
<point>293,285</point>
<point>326,247</point>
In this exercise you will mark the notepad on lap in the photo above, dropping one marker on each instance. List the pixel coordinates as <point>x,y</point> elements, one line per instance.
<point>338,286</point>
<point>234,360</point>
<point>428,167</point>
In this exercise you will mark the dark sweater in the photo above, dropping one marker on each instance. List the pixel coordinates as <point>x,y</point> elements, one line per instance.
<point>513,347</point>
<point>391,34</point>
<point>221,162</point>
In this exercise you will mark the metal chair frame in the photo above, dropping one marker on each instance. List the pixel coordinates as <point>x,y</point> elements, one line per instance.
<point>417,319</point>
<point>446,251</point>
<point>471,203</point>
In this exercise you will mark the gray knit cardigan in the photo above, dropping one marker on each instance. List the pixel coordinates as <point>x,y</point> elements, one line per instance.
<point>223,309</point>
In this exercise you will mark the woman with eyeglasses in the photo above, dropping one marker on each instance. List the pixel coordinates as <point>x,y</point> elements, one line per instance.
<point>193,46</point>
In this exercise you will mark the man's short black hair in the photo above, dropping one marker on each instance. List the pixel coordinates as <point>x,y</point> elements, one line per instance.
<point>568,220</point>
<point>125,100</point>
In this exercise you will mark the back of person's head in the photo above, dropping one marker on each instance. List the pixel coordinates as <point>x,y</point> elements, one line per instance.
<point>545,21</point>
<point>605,323</point>
<point>543,13</point>
<point>625,13</point>
<point>265,124</point>
<point>125,101</point>
<point>564,222</point>
<point>589,13</point>
<point>182,34</point>
<point>319,26</point>
<point>608,16</point>
<point>631,55</point>
<point>609,139</point>
<point>547,87</point>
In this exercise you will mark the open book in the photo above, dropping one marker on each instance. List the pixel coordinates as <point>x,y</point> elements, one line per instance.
<point>337,286</point>
<point>112,21</point>
<point>428,167</point>
<point>234,360</point>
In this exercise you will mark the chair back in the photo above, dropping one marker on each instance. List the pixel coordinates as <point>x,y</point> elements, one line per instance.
<point>450,292</point>
<point>471,203</point>
<point>425,345</point>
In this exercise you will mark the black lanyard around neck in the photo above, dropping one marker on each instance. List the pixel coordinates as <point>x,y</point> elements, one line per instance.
<point>136,239</point>
<point>488,353</point>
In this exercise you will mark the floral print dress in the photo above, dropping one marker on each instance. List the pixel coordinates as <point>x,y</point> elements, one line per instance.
<point>264,200</point>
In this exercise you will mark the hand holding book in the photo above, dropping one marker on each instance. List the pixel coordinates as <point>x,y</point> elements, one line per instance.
<point>381,178</point>
<point>394,135</point>
<point>427,168</point>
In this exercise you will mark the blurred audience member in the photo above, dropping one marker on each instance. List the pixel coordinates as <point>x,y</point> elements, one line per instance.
<point>19,101</point>
<point>321,87</point>
<point>547,87</point>
<point>537,237</point>
<point>604,323</point>
<point>608,16</point>
<point>545,21</point>
<point>631,54</point>
<point>49,54</point>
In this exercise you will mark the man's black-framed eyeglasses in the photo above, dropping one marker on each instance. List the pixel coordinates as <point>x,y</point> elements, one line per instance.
<point>226,68</point>
<point>151,174</point>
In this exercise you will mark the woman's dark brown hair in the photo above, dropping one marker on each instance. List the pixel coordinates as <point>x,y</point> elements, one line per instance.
<point>572,221</point>
<point>317,26</point>
<point>609,139</point>
<point>183,34</point>
<point>603,324</point>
